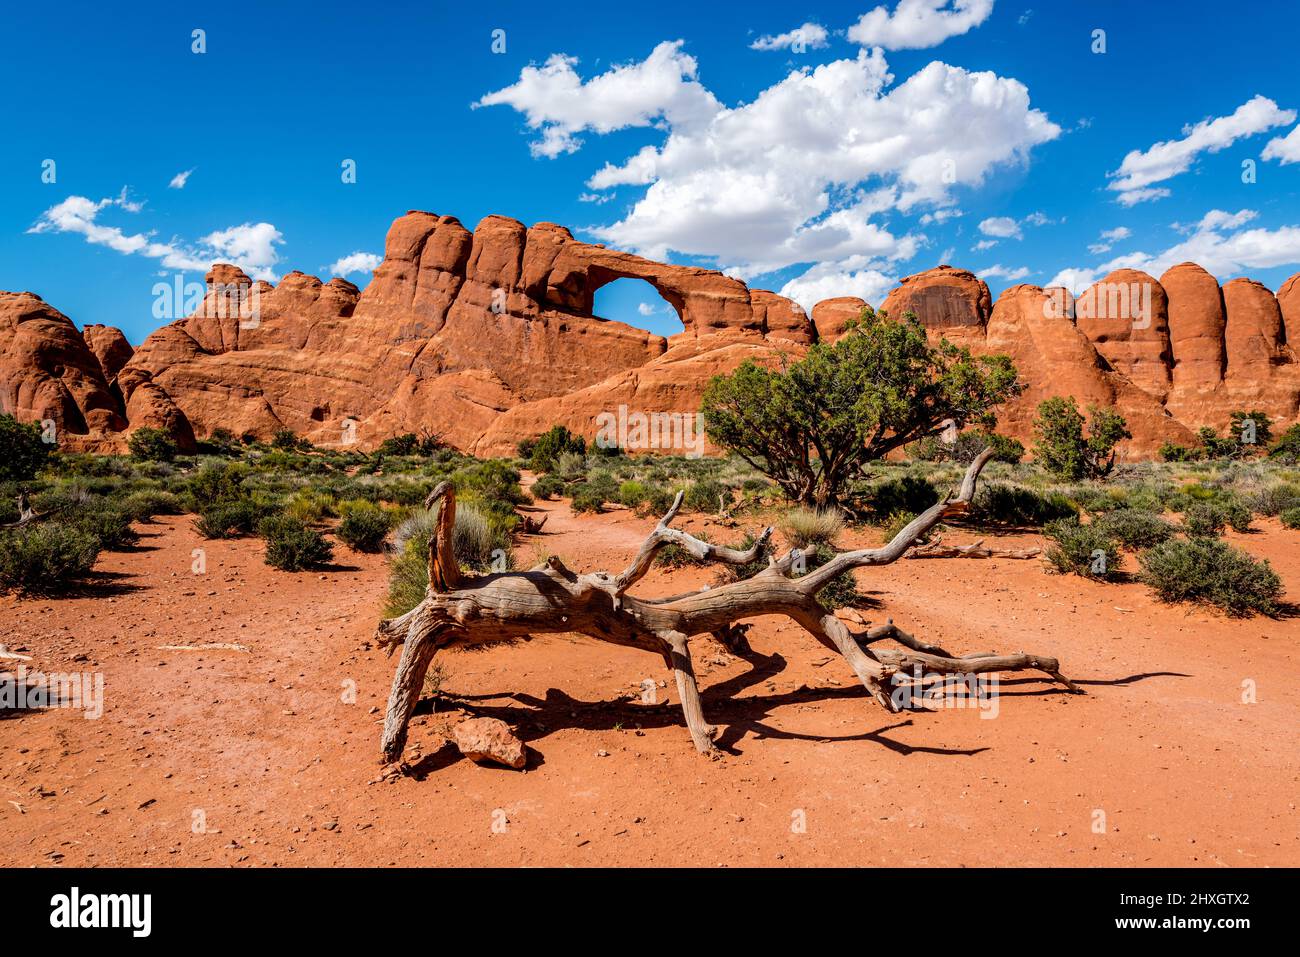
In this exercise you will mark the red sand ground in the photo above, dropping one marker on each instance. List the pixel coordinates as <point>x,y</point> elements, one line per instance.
<point>263,748</point>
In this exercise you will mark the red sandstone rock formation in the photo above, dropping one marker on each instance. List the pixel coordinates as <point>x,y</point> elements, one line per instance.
<point>489,336</point>
<point>48,372</point>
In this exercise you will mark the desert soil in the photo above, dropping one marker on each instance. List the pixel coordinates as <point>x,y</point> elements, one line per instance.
<point>269,756</point>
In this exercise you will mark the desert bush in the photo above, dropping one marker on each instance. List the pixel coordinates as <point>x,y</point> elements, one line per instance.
<point>111,526</point>
<point>409,444</point>
<point>1082,550</point>
<point>586,499</point>
<point>632,493</point>
<point>310,506</point>
<point>214,483</point>
<point>972,443</point>
<point>851,402</point>
<point>286,440</point>
<point>999,503</point>
<point>23,452</point>
<point>548,486</point>
<point>1290,517</point>
<point>1204,519</point>
<point>46,557</point>
<point>1209,571</point>
<point>1287,448</point>
<point>659,499</point>
<point>805,527</point>
<point>1064,450</point>
<point>553,443</point>
<point>909,493</point>
<point>151,445</point>
<point>842,591</point>
<point>475,541</point>
<point>705,495</point>
<point>570,465</point>
<point>227,520</point>
<point>1172,452</point>
<point>365,525</point>
<point>291,546</point>
<point>144,504</point>
<point>1275,499</point>
<point>1135,529</point>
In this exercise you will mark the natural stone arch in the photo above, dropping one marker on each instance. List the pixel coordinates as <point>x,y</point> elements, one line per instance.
<point>603,279</point>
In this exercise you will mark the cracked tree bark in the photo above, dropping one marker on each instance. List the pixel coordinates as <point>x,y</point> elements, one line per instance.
<point>550,598</point>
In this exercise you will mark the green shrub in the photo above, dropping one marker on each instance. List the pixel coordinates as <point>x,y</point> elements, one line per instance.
<point>1287,448</point>
<point>146,503</point>
<point>310,506</point>
<point>151,445</point>
<point>1135,529</point>
<point>555,442</point>
<point>806,527</point>
<point>970,444</point>
<point>548,486</point>
<point>910,493</point>
<point>1204,519</point>
<point>1172,452</point>
<point>214,483</point>
<point>1209,571</point>
<point>409,444</point>
<point>111,526</point>
<point>291,546</point>
<point>841,591</point>
<point>658,501</point>
<point>1276,499</point>
<point>46,557</point>
<point>1062,447</point>
<point>23,451</point>
<point>705,495</point>
<point>231,519</point>
<point>286,440</point>
<point>478,545</point>
<point>998,503</point>
<point>364,526</point>
<point>586,499</point>
<point>1291,517</point>
<point>1082,550</point>
<point>632,493</point>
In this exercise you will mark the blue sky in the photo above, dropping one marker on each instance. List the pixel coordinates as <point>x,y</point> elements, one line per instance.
<point>819,149</point>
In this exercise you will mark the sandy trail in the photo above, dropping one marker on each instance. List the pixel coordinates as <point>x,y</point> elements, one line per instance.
<point>270,756</point>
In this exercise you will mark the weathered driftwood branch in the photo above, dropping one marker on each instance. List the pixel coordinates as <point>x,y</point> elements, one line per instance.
<point>937,549</point>
<point>550,598</point>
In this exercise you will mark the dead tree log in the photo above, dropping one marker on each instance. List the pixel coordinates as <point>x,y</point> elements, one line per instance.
<point>551,598</point>
<point>937,549</point>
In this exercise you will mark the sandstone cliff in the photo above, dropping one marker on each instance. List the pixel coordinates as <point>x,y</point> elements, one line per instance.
<point>489,336</point>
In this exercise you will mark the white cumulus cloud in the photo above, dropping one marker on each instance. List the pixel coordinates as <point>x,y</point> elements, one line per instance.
<point>810,36</point>
<point>357,262</point>
<point>556,101</point>
<point>916,24</point>
<point>1284,149</point>
<point>1003,272</point>
<point>1003,227</point>
<point>831,280</point>
<point>1140,169</point>
<point>180,179</point>
<point>1218,244</point>
<point>251,246</point>
<point>1109,237</point>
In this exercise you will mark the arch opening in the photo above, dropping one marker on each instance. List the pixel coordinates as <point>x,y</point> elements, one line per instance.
<point>637,303</point>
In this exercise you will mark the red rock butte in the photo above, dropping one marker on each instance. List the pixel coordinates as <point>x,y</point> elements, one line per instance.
<point>487,337</point>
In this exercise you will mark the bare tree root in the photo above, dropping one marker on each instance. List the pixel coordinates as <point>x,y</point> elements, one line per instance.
<point>550,598</point>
